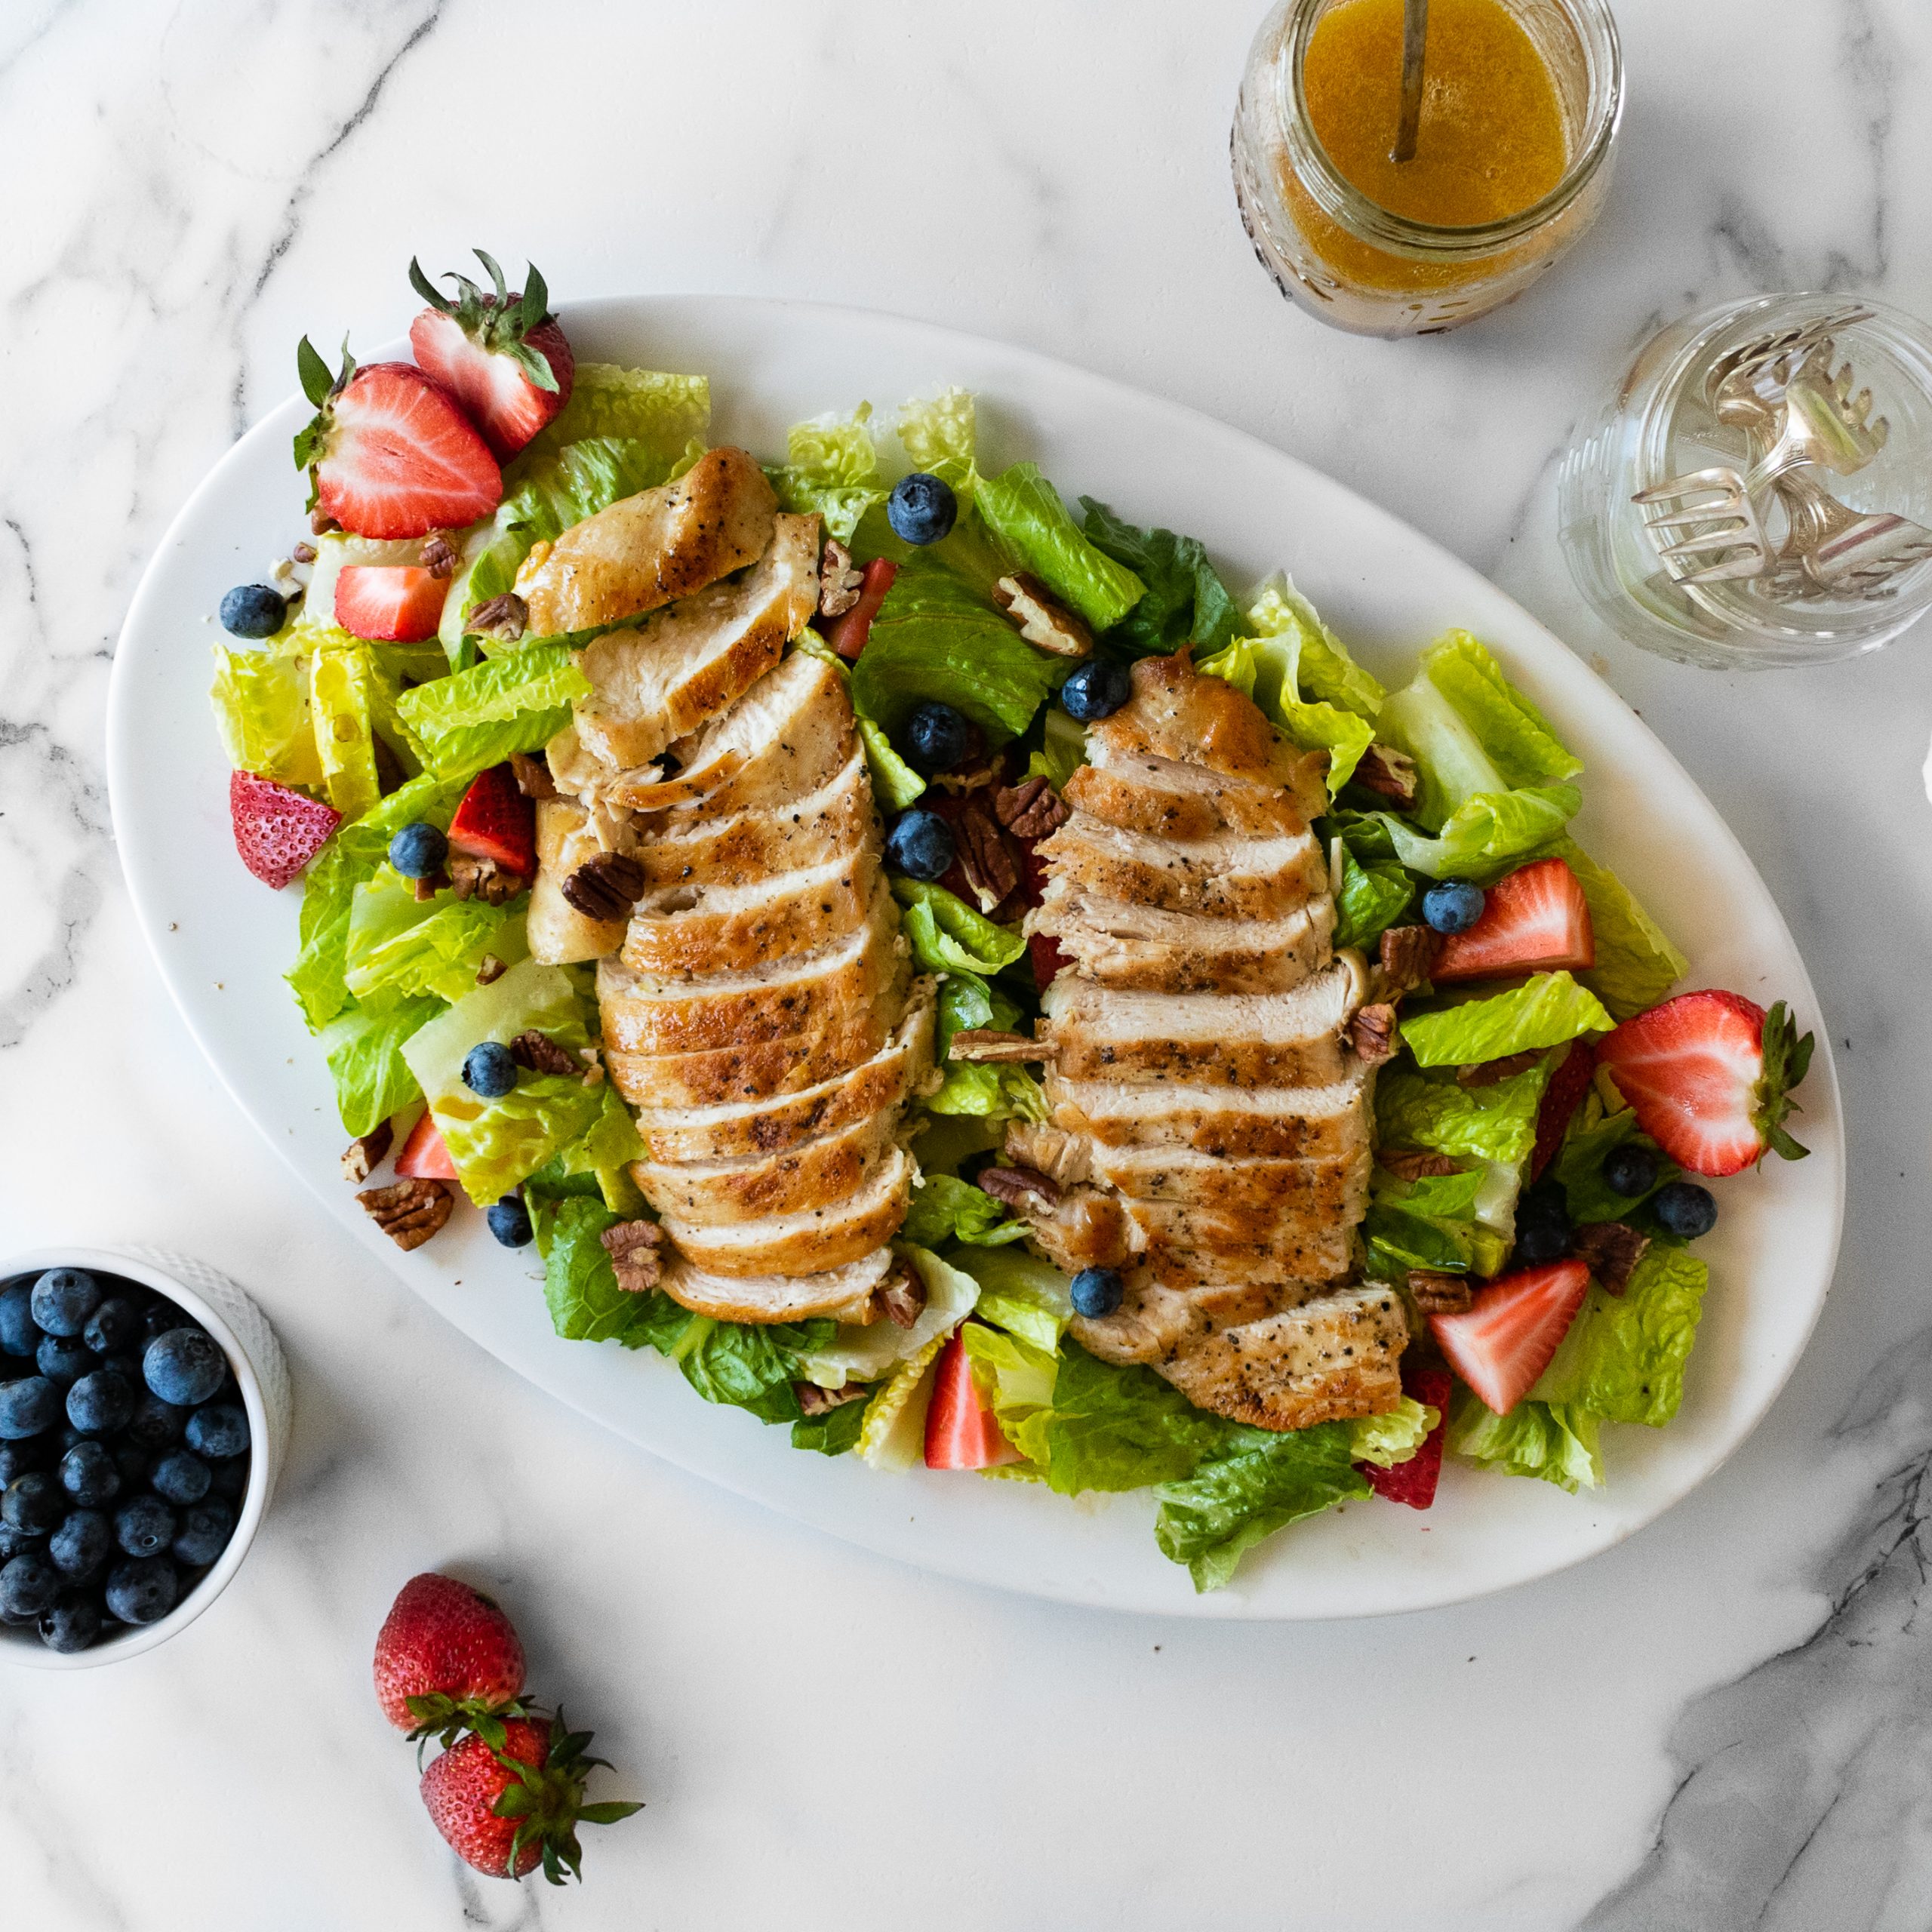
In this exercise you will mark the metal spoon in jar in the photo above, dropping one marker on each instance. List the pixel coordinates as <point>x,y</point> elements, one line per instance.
<point>1415,33</point>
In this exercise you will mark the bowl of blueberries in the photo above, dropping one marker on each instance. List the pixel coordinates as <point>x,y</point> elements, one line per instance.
<point>144,1412</point>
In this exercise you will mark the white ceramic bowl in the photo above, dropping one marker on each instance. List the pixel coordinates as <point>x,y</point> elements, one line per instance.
<point>261,1373</point>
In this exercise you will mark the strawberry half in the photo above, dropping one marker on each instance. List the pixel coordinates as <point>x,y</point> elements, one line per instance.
<point>502,356</point>
<point>277,831</point>
<point>962,1432</point>
<point>390,453</point>
<point>426,1155</point>
<point>1414,1482</point>
<point>1709,1076</point>
<point>1503,1340</point>
<point>445,1656</point>
<point>393,603</point>
<point>495,821</point>
<point>847,635</point>
<point>1534,920</point>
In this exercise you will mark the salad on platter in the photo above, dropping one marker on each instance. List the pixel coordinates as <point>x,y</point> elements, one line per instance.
<point>947,972</point>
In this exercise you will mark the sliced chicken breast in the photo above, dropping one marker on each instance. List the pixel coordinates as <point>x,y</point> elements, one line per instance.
<point>717,1193</point>
<point>1224,875</point>
<point>732,928</point>
<point>1139,948</point>
<point>766,1298</point>
<point>1281,1123</point>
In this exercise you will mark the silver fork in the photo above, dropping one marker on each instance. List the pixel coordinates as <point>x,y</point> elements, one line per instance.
<point>1855,554</point>
<point>1717,533</point>
<point>1733,378</point>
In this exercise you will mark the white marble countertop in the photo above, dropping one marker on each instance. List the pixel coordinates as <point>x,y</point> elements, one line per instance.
<point>1723,1723</point>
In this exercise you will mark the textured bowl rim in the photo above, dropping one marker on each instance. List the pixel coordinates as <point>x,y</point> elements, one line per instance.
<point>20,1645</point>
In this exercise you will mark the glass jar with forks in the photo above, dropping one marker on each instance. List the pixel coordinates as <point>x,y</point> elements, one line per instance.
<point>1758,491</point>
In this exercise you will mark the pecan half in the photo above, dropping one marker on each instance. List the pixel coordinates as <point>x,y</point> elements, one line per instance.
<point>1013,1186</point>
<point>902,1296</point>
<point>1031,809</point>
<point>838,582</point>
<point>426,889</point>
<point>605,887</point>
<point>541,1054</point>
<point>988,1043</point>
<point>439,557</point>
<point>367,1152</point>
<point>489,970</point>
<point>1612,1248</point>
<point>532,772</point>
<point>984,857</point>
<point>592,1075</point>
<point>503,618</point>
<point>321,523</point>
<point>473,878</point>
<point>1490,1071</point>
<point>1438,1294</point>
<point>1407,956</point>
<point>633,1248</point>
<point>410,1212</point>
<point>1416,1163</point>
<point>1388,772</point>
<point>304,553</point>
<point>1372,1033</point>
<point>1044,623</point>
<point>814,1400</point>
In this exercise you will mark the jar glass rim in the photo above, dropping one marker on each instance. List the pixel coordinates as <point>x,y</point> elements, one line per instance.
<point>1340,200</point>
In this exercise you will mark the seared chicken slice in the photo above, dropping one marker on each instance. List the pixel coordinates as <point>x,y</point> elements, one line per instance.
<point>730,928</point>
<point>715,1194</point>
<point>559,934</point>
<point>765,1298</point>
<point>827,1045</point>
<point>1138,948</point>
<point>644,551</point>
<point>1281,1123</point>
<point>1224,875</point>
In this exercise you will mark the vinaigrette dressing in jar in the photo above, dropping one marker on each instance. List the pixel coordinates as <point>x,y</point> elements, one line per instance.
<point>1520,106</point>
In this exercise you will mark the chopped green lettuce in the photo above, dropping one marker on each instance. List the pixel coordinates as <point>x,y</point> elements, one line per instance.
<point>579,1284</point>
<point>1488,834</point>
<point>936,638</point>
<point>515,703</point>
<point>894,782</point>
<point>1001,1091</point>
<point>1185,601</point>
<point>832,1432</point>
<point>363,1048</point>
<point>494,1144</point>
<point>1431,1111</point>
<point>1373,898</point>
<point>597,1163</point>
<point>1062,749</point>
<point>266,719</point>
<point>1117,1428</point>
<point>1264,668</point>
<point>1578,1167</point>
<point>1017,1378</point>
<point>1550,1441</point>
<point>1325,672</point>
<point>1623,1358</point>
<point>852,1353</point>
<point>1398,1240</point>
<point>342,693</point>
<point>1392,1437</point>
<point>893,1431</point>
<point>1547,1009</point>
<point>398,944</point>
<point>940,435</point>
<point>944,1208</point>
<point>1024,513</point>
<point>831,471</point>
<point>1636,964</point>
<point>948,936</point>
<point>665,413</point>
<point>1021,1293</point>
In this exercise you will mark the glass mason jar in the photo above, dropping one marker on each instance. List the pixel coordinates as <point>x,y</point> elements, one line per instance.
<point>1358,267</point>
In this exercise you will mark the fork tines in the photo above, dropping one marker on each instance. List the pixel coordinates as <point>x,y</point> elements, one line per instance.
<point>1717,533</point>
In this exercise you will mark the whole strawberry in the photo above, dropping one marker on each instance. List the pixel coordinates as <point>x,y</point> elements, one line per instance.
<point>506,1808</point>
<point>447,1660</point>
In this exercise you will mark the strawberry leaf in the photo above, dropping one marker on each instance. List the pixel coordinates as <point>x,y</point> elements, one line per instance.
<point>516,1801</point>
<point>428,290</point>
<point>536,300</point>
<point>607,1813</point>
<point>1787,1057</point>
<point>495,275</point>
<point>318,383</point>
<point>534,363</point>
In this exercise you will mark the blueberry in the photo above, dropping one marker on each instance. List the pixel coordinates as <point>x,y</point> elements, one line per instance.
<point>88,1474</point>
<point>490,1071</point>
<point>156,1424</point>
<point>1630,1171</point>
<point>1454,906</point>
<point>142,1590</point>
<point>1097,1292</point>
<point>33,1503</point>
<point>100,1403</point>
<point>184,1366</point>
<point>1544,1205</point>
<point>16,1458</point>
<point>418,850</point>
<point>124,1364</point>
<point>1097,690</point>
<point>144,1524</point>
<point>1686,1209</point>
<point>920,844</point>
<point>205,1529</point>
<point>63,1359</point>
<point>253,610</point>
<point>29,1584</point>
<point>510,1222</point>
<point>922,508</point>
<point>64,1438</point>
<point>157,1319</point>
<point>13,1541</point>
<point>939,739</point>
<point>1541,1243</point>
<point>71,1622</point>
<point>63,1298</point>
<point>27,1406</point>
<point>230,1479</point>
<point>218,1430</point>
<point>180,1478</point>
<point>115,1324</point>
<point>82,1543</point>
<point>132,1464</point>
<point>18,1335</point>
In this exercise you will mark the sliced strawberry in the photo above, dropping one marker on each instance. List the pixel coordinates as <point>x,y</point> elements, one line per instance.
<point>1535,920</point>
<point>1709,1075</point>
<point>392,454</point>
<point>396,603</point>
<point>1414,1482</point>
<point>277,831</point>
<point>1503,1340</point>
<point>847,635</point>
<point>502,356</point>
<point>961,1432</point>
<point>495,821</point>
<point>425,1156</point>
<point>1560,1099</point>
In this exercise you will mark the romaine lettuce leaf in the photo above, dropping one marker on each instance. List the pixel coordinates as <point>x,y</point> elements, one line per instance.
<point>948,936</point>
<point>1325,673</point>
<point>1637,965</point>
<point>597,1163</point>
<point>832,1432</point>
<point>1547,1009</point>
<point>1117,1428</point>
<point>893,1432</point>
<point>1021,1293</point>
<point>944,1208</point>
<point>264,714</point>
<point>894,782</point>
<point>743,1365</point>
<point>1398,1240</point>
<point>1373,898</point>
<point>363,1048</point>
<point>580,1285</point>
<point>1264,668</point>
<point>1185,601</point>
<point>854,1353</point>
<point>665,413</point>
<point>1392,1437</point>
<point>398,944</point>
<point>1488,834</point>
<point>495,1144</point>
<point>515,703</point>
<point>1623,1358</point>
<point>1451,1196</point>
<point>1062,749</point>
<point>1556,1444</point>
<point>940,435</point>
<point>343,696</point>
<point>1017,1378</point>
<point>936,638</point>
<point>1495,1123</point>
<point>831,471</point>
<point>1578,1166</point>
<point>972,1087</point>
<point>1024,512</point>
